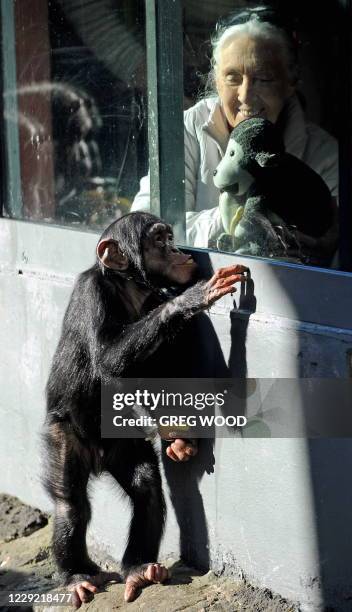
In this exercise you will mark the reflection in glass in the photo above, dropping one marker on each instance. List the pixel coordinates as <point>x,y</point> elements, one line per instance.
<point>80,109</point>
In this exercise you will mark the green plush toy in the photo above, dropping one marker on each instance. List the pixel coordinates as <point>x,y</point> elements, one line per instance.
<point>267,193</point>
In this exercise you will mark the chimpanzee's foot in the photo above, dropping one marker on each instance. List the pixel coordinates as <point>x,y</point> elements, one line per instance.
<point>84,586</point>
<point>142,576</point>
<point>182,449</point>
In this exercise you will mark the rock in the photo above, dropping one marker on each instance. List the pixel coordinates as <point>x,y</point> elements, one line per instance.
<point>17,519</point>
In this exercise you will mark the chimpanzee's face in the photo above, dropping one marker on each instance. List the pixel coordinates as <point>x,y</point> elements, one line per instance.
<point>163,262</point>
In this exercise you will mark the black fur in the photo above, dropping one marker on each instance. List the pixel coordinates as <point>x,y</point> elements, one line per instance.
<point>103,337</point>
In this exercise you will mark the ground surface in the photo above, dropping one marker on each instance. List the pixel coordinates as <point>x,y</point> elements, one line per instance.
<point>26,565</point>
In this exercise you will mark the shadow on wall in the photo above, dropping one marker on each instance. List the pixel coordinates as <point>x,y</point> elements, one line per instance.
<point>208,362</point>
<point>327,458</point>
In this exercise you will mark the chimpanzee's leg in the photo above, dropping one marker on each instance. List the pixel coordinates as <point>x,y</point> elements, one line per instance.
<point>134,465</point>
<point>68,469</point>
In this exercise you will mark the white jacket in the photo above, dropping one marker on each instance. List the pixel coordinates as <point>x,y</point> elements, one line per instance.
<point>206,138</point>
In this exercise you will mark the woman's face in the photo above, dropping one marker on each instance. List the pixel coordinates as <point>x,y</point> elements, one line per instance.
<point>252,79</point>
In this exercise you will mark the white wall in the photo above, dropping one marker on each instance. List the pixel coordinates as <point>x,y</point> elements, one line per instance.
<point>277,511</point>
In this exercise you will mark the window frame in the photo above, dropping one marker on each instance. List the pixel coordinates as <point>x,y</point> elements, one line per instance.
<point>11,188</point>
<point>165,112</point>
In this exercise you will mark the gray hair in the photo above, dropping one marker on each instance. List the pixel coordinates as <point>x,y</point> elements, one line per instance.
<point>254,28</point>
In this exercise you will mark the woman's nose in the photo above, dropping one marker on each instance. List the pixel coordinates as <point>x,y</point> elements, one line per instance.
<point>246,90</point>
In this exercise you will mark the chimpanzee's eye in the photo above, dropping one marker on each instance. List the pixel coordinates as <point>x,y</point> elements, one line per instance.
<point>159,239</point>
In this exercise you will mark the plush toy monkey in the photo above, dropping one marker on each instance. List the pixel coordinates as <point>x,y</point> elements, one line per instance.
<point>266,193</point>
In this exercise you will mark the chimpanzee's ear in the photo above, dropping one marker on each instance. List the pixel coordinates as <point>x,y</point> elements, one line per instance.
<point>111,256</point>
<point>268,160</point>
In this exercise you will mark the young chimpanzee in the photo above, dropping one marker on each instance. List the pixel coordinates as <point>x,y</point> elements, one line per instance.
<point>121,322</point>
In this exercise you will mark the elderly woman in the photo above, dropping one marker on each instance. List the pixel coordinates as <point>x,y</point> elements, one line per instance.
<point>254,71</point>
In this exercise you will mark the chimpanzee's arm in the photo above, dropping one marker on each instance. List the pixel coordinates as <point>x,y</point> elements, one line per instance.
<point>138,340</point>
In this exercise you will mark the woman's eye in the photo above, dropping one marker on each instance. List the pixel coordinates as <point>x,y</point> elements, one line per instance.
<point>265,79</point>
<point>233,79</point>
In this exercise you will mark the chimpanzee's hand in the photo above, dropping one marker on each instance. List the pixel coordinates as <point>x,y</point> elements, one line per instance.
<point>205,293</point>
<point>182,449</point>
<point>222,282</point>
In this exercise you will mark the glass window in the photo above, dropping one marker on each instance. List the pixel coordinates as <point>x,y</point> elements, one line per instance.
<point>244,63</point>
<point>282,65</point>
<point>74,109</point>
